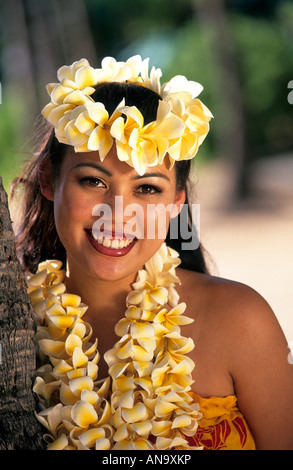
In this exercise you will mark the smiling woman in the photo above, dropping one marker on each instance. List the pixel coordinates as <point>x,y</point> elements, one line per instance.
<point>148,184</point>
<point>38,216</point>
<point>76,194</point>
<point>120,143</point>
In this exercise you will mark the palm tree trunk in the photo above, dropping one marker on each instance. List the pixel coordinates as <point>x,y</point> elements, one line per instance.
<point>19,428</point>
<point>212,16</point>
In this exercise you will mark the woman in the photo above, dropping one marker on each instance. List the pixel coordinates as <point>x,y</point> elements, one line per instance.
<point>121,137</point>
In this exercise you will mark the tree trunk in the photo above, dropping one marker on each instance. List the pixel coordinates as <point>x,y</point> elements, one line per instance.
<point>212,16</point>
<point>19,428</point>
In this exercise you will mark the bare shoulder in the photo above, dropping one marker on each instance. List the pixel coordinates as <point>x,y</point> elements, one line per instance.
<point>241,349</point>
<point>236,319</point>
<point>225,301</point>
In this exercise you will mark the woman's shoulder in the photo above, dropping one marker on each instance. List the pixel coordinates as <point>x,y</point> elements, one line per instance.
<point>224,301</point>
<point>234,330</point>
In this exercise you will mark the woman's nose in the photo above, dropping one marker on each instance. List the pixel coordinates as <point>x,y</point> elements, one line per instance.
<point>120,214</point>
<point>116,200</point>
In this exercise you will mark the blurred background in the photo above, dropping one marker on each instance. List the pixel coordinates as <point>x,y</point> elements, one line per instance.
<point>241,51</point>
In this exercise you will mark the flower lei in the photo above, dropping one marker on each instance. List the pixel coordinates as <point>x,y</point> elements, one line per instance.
<point>144,404</point>
<point>181,125</point>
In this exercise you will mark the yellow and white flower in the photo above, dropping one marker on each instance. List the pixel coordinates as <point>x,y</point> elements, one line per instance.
<point>181,125</point>
<point>144,403</point>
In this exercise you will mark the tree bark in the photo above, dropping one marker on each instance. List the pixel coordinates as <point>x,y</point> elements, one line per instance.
<point>212,16</point>
<point>19,428</point>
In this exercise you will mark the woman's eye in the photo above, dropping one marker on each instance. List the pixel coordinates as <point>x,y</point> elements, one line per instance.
<point>92,181</point>
<point>148,189</point>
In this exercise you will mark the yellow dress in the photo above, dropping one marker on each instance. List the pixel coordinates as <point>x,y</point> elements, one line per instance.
<point>222,426</point>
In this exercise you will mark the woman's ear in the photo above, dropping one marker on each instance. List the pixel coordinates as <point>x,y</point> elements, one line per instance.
<point>179,201</point>
<point>46,179</point>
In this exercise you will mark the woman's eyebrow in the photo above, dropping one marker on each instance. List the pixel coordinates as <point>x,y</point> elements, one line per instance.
<point>96,166</point>
<point>149,175</point>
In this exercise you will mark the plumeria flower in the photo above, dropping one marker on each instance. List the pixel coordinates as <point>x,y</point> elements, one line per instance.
<point>155,274</point>
<point>142,146</point>
<point>139,145</point>
<point>137,444</point>
<point>113,71</point>
<point>196,117</point>
<point>76,84</point>
<point>147,391</point>
<point>45,390</point>
<point>75,87</point>
<point>51,418</point>
<point>45,285</point>
<point>173,318</point>
<point>149,297</point>
<point>98,438</point>
<point>140,350</point>
<point>61,443</point>
<point>87,127</point>
<point>167,375</point>
<point>135,312</point>
<point>180,86</point>
<point>151,81</point>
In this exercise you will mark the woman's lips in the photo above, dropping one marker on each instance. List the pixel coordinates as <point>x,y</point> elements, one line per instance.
<point>115,247</point>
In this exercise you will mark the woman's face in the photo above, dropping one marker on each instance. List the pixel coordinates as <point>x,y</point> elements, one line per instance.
<point>105,213</point>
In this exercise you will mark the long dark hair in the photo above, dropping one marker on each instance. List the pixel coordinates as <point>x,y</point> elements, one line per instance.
<point>36,235</point>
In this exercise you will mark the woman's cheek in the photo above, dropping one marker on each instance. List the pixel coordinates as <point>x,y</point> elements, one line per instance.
<point>70,213</point>
<point>144,222</point>
<point>157,222</point>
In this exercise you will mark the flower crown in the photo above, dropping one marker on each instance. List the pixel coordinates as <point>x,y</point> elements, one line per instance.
<point>181,125</point>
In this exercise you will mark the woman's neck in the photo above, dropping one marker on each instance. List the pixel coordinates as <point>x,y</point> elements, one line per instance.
<point>106,301</point>
<point>103,298</point>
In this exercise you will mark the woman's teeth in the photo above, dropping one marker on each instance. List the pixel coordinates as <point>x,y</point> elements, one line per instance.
<point>115,244</point>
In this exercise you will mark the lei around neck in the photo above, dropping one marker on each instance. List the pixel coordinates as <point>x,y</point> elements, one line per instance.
<point>181,125</point>
<point>144,403</point>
